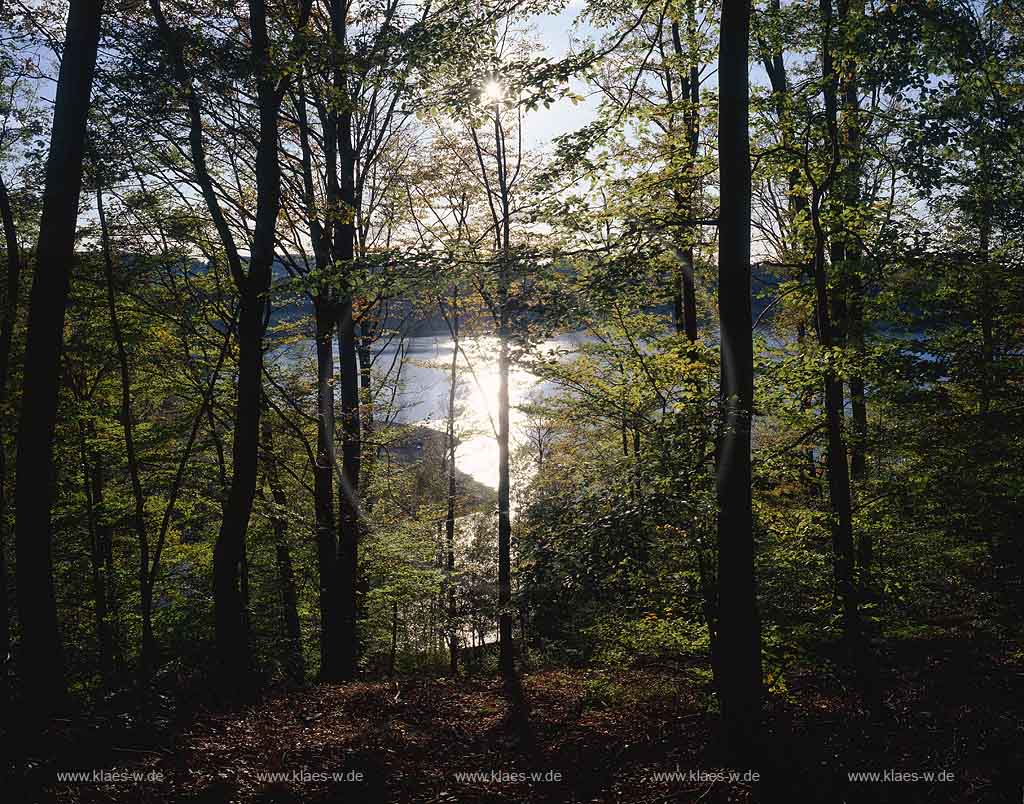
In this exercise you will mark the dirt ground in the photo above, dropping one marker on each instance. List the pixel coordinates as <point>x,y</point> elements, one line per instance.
<point>572,736</point>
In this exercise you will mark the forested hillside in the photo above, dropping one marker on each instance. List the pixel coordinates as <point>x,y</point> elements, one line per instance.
<point>512,401</point>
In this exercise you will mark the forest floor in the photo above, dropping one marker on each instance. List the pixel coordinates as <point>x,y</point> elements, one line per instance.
<point>579,736</point>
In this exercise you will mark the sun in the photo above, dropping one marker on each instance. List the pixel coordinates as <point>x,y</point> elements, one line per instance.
<point>493,92</point>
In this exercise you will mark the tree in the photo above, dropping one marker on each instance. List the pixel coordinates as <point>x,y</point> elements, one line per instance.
<point>21,123</point>
<point>41,660</point>
<point>253,284</point>
<point>737,659</point>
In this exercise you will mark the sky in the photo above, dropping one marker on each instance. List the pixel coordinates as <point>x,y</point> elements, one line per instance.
<point>542,126</point>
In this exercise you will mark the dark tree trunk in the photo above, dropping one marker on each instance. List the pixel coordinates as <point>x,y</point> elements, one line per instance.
<point>394,638</point>
<point>233,650</point>
<point>344,254</point>
<point>850,309</point>
<point>367,449</point>
<point>859,408</point>
<point>850,19</point>
<point>449,522</point>
<point>232,660</point>
<point>294,663</point>
<point>9,311</point>
<point>105,542</point>
<point>147,661</point>
<point>42,662</point>
<point>738,660</point>
<point>365,355</point>
<point>323,492</point>
<point>686,315</point>
<point>986,311</point>
<point>92,479</point>
<point>838,470</point>
<point>325,318</point>
<point>348,498</point>
<point>506,659</point>
<point>774,63</point>
<point>234,656</point>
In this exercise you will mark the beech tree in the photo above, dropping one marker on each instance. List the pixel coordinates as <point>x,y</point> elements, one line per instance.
<point>44,677</point>
<point>738,653</point>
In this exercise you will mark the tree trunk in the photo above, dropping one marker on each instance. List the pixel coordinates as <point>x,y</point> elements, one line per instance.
<point>686,316</point>
<point>325,317</point>
<point>294,664</point>
<point>148,653</point>
<point>838,471</point>
<point>774,63</point>
<point>105,543</point>
<point>9,311</point>
<point>453,639</point>
<point>367,449</point>
<point>234,656</point>
<point>341,195</point>
<point>738,663</point>
<point>506,659</point>
<point>368,453</point>
<point>394,638</point>
<point>92,474</point>
<point>233,650</point>
<point>348,498</point>
<point>986,313</point>
<point>323,492</point>
<point>42,662</point>
<point>852,281</point>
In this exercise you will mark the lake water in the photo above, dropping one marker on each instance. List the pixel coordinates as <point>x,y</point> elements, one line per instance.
<point>422,397</point>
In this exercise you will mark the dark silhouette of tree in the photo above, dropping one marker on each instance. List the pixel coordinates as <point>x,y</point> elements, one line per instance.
<point>737,660</point>
<point>42,662</point>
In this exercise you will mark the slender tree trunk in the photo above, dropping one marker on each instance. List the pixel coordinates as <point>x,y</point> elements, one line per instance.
<point>105,543</point>
<point>453,638</point>
<point>148,653</point>
<point>232,659</point>
<point>986,312</point>
<point>686,318</point>
<point>348,504</point>
<point>367,450</point>
<point>774,63</point>
<point>849,22</point>
<point>233,648</point>
<point>838,471</point>
<point>394,638</point>
<point>294,664</point>
<point>42,662</point>
<point>323,491</point>
<point>738,663</point>
<point>368,423</point>
<point>849,303</point>
<point>91,471</point>
<point>859,409</point>
<point>506,658</point>
<point>325,318</point>
<point>342,186</point>
<point>9,311</point>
